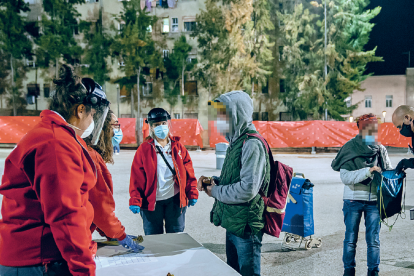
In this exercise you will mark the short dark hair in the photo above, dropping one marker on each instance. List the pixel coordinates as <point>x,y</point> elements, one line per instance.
<point>68,94</point>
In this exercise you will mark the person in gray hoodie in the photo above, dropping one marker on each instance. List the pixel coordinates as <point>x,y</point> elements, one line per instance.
<point>238,206</point>
<point>357,161</point>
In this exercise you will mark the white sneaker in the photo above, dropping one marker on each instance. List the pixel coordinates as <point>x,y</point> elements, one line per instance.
<point>117,153</point>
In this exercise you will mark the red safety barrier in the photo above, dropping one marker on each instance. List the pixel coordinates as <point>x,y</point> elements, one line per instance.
<point>13,128</point>
<point>306,134</point>
<point>188,129</point>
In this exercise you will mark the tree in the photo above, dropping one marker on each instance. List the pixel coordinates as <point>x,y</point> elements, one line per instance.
<point>97,49</point>
<point>348,29</point>
<point>59,24</point>
<point>177,66</point>
<point>303,70</point>
<point>308,92</point>
<point>135,46</point>
<point>212,38</point>
<point>14,43</point>
<point>233,39</point>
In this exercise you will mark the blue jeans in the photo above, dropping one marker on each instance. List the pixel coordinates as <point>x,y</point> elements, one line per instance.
<point>116,148</point>
<point>353,210</point>
<point>165,210</point>
<point>52,269</point>
<point>243,253</point>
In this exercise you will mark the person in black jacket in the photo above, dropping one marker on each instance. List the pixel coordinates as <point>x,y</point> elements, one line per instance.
<point>403,119</point>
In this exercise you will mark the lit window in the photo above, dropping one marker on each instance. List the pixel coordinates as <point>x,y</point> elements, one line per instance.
<point>368,101</point>
<point>166,53</point>
<point>149,29</point>
<point>388,100</point>
<point>177,115</point>
<point>165,25</point>
<point>174,26</point>
<point>348,102</point>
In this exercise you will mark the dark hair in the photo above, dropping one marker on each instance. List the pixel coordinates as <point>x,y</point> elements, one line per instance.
<point>69,93</point>
<point>104,146</point>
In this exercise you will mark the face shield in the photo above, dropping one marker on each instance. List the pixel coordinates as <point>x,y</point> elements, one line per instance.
<point>96,98</point>
<point>219,114</point>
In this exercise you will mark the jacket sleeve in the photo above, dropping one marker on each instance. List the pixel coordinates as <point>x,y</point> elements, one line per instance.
<point>58,182</point>
<point>191,185</point>
<point>103,203</point>
<point>138,179</point>
<point>252,174</point>
<point>384,152</point>
<point>355,177</point>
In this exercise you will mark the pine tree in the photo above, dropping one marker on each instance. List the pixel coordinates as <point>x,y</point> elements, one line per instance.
<point>58,25</point>
<point>308,93</point>
<point>137,48</point>
<point>14,45</point>
<point>233,39</point>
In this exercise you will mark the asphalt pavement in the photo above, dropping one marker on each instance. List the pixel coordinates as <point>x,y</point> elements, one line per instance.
<point>397,252</point>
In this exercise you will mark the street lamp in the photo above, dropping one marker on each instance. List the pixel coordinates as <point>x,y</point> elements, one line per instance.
<point>351,119</point>
<point>383,114</point>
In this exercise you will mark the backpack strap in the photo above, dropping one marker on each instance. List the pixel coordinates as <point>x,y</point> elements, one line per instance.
<point>165,160</point>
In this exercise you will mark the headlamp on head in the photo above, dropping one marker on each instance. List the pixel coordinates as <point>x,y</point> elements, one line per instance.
<point>95,95</point>
<point>157,115</point>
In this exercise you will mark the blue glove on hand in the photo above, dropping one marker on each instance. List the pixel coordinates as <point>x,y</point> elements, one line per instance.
<point>134,209</point>
<point>192,202</point>
<point>129,243</point>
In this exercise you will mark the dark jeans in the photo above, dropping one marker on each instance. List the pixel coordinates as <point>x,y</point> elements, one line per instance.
<point>353,211</point>
<point>117,148</point>
<point>52,269</point>
<point>243,253</point>
<point>165,210</point>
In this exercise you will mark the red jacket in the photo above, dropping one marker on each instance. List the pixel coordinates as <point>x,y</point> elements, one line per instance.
<point>143,184</point>
<point>46,214</point>
<point>102,199</point>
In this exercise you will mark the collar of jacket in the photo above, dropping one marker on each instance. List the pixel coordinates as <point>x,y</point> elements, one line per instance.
<point>51,116</point>
<point>174,140</point>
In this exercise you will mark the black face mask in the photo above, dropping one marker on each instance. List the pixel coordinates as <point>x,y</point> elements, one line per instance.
<point>406,130</point>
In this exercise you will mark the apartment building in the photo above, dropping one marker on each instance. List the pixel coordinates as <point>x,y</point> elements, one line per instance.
<point>177,17</point>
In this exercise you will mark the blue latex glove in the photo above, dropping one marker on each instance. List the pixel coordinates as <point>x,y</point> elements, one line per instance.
<point>134,209</point>
<point>129,243</point>
<point>192,202</point>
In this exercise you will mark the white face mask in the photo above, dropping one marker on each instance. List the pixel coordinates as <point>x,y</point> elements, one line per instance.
<point>223,126</point>
<point>89,130</point>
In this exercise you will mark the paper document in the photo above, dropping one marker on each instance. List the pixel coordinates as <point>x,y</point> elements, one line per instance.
<point>123,259</point>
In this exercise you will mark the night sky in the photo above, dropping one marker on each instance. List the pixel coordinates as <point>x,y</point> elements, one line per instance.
<point>393,34</point>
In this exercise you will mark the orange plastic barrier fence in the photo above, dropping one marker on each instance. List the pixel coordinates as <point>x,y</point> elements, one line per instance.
<point>13,128</point>
<point>314,134</point>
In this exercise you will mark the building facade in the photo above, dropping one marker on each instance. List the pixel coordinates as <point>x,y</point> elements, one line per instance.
<point>177,17</point>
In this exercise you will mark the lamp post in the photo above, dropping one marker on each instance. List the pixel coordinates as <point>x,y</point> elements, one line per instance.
<point>384,113</point>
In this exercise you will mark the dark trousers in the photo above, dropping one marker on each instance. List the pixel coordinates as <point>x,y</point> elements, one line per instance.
<point>51,269</point>
<point>353,211</point>
<point>167,211</point>
<point>243,253</point>
<point>116,148</point>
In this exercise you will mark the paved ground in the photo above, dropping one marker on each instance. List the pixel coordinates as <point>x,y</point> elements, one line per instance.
<point>397,252</point>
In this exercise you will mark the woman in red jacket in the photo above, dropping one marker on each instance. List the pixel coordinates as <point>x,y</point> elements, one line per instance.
<point>101,196</point>
<point>162,178</point>
<point>46,214</point>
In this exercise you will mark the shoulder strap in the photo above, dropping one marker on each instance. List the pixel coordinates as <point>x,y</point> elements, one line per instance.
<point>165,160</point>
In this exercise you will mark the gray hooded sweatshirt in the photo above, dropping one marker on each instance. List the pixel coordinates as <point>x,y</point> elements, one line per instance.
<point>253,159</point>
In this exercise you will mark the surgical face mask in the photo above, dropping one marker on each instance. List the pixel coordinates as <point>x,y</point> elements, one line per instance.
<point>223,126</point>
<point>369,140</point>
<point>406,130</point>
<point>89,130</point>
<point>161,131</point>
